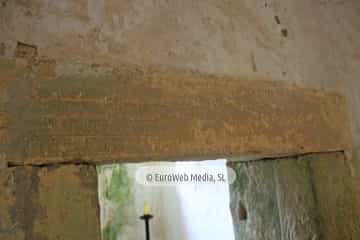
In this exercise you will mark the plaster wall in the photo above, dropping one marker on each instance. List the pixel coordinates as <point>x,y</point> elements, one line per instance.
<point>308,43</point>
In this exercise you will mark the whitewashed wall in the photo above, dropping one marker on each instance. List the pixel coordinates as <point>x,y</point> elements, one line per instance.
<point>183,211</point>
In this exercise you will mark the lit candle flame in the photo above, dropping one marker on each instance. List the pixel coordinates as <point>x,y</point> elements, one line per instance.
<point>146,208</point>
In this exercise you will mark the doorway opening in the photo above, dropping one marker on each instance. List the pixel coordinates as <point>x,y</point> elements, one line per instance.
<point>193,208</point>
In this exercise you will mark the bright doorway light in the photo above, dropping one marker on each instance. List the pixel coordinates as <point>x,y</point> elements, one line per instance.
<point>181,211</point>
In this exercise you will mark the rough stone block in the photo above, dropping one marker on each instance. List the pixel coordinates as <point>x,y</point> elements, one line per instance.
<point>46,203</point>
<point>65,112</point>
<point>298,213</point>
<point>309,197</point>
<point>15,202</point>
<point>337,195</point>
<point>254,192</point>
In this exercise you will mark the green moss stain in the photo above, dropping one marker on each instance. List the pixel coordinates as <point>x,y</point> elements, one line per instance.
<point>242,179</point>
<point>117,191</point>
<point>109,232</point>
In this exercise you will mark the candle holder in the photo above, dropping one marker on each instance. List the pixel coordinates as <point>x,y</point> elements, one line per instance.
<point>146,218</point>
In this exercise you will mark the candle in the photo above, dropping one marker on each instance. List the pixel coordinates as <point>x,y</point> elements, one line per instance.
<point>146,208</point>
<point>146,217</point>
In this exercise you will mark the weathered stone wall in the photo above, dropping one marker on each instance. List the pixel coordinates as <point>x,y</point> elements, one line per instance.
<point>41,203</point>
<point>309,43</point>
<point>309,197</point>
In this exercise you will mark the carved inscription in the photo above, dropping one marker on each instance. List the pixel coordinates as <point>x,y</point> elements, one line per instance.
<point>126,114</point>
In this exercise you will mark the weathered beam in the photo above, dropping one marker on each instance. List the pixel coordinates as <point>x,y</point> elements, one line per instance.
<point>59,112</point>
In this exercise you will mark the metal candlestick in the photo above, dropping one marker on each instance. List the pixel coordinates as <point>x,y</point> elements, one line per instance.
<point>146,218</point>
